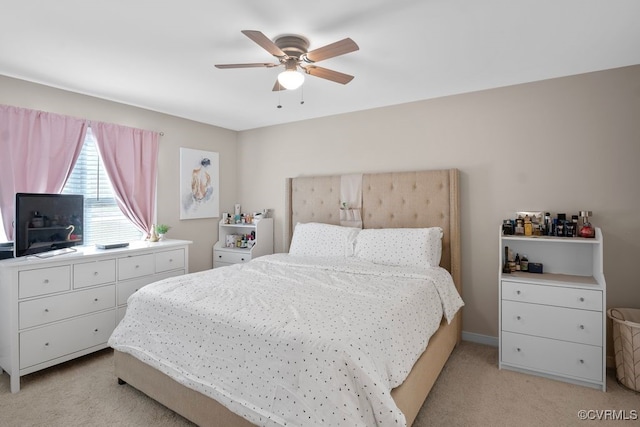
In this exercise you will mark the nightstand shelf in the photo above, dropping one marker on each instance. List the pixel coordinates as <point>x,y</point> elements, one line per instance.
<point>553,324</point>
<point>551,278</point>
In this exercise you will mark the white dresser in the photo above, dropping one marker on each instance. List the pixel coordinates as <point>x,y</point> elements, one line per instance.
<point>553,324</point>
<point>55,309</point>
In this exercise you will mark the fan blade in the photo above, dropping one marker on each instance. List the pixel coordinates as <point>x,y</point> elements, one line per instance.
<point>329,51</point>
<point>328,74</point>
<point>264,43</point>
<point>277,87</point>
<point>251,65</point>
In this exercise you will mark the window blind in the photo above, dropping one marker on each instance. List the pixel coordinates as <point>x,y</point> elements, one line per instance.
<point>104,222</point>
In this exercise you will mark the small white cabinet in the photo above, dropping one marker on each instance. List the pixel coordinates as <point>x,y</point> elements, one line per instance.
<point>553,324</point>
<point>55,309</point>
<point>224,255</point>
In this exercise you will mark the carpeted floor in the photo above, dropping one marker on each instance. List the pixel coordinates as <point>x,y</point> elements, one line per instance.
<point>471,391</point>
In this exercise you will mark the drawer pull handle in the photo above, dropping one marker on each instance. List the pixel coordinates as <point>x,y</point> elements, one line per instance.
<point>581,299</point>
<point>219,256</point>
<point>581,326</point>
<point>518,349</point>
<point>170,259</point>
<point>46,310</point>
<point>46,281</point>
<point>242,259</point>
<point>95,273</point>
<point>582,361</point>
<point>518,292</point>
<point>137,266</point>
<point>95,299</point>
<point>518,317</point>
<point>135,290</point>
<point>95,330</point>
<point>46,344</point>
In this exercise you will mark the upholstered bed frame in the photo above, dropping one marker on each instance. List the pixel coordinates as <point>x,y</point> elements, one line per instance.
<point>390,200</point>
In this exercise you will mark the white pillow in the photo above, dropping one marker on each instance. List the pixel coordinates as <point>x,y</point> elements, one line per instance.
<point>419,247</point>
<point>317,239</point>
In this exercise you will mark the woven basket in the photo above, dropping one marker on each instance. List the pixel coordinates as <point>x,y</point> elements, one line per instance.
<point>626,345</point>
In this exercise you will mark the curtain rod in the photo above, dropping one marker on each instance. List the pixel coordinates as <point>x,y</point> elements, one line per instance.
<point>159,133</point>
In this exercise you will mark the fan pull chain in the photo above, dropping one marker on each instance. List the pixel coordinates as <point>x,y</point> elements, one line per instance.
<point>302,95</point>
<point>279,92</point>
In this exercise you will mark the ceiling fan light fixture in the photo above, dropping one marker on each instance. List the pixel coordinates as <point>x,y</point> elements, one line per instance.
<point>291,79</point>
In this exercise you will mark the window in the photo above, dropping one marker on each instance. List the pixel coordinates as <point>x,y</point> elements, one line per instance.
<point>104,222</point>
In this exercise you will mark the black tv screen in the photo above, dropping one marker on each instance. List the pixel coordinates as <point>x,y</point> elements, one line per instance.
<point>46,222</point>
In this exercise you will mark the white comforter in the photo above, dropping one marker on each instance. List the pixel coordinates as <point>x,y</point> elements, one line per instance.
<point>285,340</point>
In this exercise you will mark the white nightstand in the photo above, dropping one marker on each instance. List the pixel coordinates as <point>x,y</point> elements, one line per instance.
<point>223,255</point>
<point>553,324</point>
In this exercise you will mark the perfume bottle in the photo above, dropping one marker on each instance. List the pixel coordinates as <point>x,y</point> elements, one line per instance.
<point>587,229</point>
<point>547,224</point>
<point>528,226</point>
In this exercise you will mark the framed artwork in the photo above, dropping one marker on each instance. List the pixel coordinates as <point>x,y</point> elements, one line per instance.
<point>199,184</point>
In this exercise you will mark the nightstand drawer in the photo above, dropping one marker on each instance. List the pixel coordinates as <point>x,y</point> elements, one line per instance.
<point>552,295</point>
<point>94,273</point>
<point>218,264</point>
<point>136,266</point>
<point>580,326</point>
<point>169,260</point>
<point>45,310</point>
<point>579,361</point>
<point>61,339</point>
<point>44,281</point>
<point>231,257</point>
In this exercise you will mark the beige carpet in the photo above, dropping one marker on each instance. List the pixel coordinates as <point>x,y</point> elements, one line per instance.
<point>471,391</point>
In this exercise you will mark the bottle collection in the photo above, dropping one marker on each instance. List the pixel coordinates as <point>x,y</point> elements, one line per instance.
<point>534,224</point>
<point>244,241</point>
<point>517,262</point>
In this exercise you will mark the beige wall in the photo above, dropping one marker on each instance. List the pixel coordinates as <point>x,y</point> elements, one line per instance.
<point>560,145</point>
<point>177,133</point>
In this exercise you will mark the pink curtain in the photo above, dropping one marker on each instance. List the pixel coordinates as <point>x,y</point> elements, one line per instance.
<point>37,153</point>
<point>130,158</point>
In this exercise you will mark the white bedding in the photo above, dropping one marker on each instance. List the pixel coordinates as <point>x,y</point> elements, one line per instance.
<point>286,340</point>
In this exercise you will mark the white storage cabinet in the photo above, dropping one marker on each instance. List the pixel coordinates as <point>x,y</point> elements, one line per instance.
<point>223,256</point>
<point>553,324</point>
<point>59,308</point>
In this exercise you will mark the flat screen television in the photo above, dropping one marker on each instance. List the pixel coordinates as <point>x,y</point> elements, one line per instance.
<point>46,222</point>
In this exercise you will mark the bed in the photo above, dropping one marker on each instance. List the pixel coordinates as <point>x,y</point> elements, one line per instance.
<point>389,201</point>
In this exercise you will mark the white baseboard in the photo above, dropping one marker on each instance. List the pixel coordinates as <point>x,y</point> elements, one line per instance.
<point>480,339</point>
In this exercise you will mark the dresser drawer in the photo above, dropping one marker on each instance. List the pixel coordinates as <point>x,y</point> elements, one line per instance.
<point>60,339</point>
<point>568,324</point>
<point>169,260</point>
<point>120,312</point>
<point>136,266</point>
<point>231,257</point>
<point>94,273</point>
<point>128,288</point>
<point>50,309</point>
<point>43,281</point>
<point>579,361</point>
<point>552,295</point>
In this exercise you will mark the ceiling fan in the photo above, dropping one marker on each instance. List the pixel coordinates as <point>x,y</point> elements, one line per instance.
<point>291,52</point>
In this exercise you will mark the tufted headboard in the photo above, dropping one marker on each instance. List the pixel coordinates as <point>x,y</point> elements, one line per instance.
<point>389,200</point>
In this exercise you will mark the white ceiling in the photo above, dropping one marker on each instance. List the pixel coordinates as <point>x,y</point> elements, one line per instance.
<point>160,55</point>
